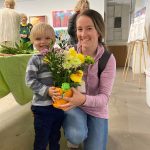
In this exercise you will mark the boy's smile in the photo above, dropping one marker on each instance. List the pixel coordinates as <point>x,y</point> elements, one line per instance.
<point>42,43</point>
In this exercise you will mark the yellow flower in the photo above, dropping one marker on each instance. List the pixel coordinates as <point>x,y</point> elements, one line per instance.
<point>81,57</point>
<point>72,51</point>
<point>77,77</point>
<point>46,60</point>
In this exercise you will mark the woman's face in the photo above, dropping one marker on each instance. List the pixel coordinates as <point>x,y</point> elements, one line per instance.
<point>86,33</point>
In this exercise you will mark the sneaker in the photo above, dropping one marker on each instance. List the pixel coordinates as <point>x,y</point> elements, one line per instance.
<point>70,145</point>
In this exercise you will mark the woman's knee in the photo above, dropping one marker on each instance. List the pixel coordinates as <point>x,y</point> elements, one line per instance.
<point>75,136</point>
<point>75,126</point>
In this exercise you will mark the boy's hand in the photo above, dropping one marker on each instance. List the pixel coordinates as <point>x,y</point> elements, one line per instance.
<point>54,93</point>
<point>51,91</point>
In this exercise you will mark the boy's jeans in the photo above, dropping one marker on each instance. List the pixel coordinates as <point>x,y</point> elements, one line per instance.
<point>81,127</point>
<point>47,124</point>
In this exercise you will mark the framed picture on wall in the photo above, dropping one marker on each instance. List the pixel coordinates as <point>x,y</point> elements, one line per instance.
<point>36,19</point>
<point>60,18</point>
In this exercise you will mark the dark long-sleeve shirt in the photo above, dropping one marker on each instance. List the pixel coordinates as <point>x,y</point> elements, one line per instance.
<point>72,29</point>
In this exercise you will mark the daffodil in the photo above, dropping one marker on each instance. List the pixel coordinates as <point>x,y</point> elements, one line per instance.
<point>81,57</point>
<point>72,52</point>
<point>77,77</point>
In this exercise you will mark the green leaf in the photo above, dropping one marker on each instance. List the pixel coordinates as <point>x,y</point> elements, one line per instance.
<point>20,48</point>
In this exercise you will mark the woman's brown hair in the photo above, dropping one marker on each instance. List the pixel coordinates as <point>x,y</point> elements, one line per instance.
<point>97,21</point>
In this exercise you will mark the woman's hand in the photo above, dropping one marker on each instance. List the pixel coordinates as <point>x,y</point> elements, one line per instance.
<point>76,100</point>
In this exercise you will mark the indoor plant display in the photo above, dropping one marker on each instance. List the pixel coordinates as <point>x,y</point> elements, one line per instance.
<point>20,48</point>
<point>67,68</point>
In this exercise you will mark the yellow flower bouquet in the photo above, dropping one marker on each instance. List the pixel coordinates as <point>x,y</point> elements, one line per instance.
<point>67,68</point>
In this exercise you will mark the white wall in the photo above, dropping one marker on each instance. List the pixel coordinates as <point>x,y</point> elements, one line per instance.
<point>148,20</point>
<point>140,4</point>
<point>45,7</point>
<point>147,27</point>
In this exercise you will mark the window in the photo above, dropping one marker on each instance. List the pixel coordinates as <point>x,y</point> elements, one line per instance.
<point>117,22</point>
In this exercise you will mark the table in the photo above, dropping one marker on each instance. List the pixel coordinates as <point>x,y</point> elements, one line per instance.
<point>12,77</point>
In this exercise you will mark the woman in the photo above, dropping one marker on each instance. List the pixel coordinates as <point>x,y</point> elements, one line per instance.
<point>87,113</point>
<point>9,28</point>
<point>80,6</point>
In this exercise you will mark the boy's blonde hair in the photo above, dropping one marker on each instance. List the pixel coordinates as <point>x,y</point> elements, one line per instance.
<point>24,16</point>
<point>41,29</point>
<point>11,3</point>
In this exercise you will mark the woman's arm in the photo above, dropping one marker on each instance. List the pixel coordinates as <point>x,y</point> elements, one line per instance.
<point>105,88</point>
<point>106,84</point>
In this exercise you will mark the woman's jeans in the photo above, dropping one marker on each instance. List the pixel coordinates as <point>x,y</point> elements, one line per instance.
<point>81,127</point>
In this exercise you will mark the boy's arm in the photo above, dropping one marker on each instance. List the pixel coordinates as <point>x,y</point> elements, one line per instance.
<point>31,78</point>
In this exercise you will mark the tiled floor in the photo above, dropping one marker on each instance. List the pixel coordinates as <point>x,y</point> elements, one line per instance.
<point>129,123</point>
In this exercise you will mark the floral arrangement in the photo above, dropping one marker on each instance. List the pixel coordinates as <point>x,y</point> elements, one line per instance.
<point>67,68</point>
<point>20,48</point>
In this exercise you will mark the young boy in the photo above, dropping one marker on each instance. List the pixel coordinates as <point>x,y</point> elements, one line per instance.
<point>47,119</point>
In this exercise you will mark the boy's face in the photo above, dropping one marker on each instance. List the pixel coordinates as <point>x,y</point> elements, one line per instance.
<point>24,20</point>
<point>42,42</point>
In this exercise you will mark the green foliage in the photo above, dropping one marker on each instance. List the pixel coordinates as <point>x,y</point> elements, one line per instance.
<point>62,43</point>
<point>21,48</point>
